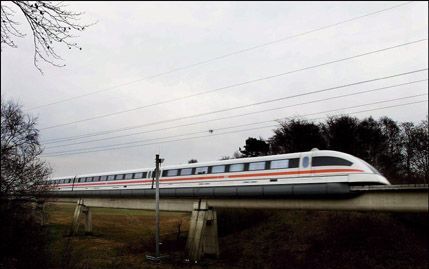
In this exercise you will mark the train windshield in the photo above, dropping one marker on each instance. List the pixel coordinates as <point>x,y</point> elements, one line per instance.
<point>372,168</point>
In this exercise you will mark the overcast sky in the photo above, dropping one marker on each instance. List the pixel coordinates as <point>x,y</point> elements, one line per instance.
<point>135,40</point>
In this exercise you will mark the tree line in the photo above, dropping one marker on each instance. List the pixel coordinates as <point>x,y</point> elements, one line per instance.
<point>398,150</point>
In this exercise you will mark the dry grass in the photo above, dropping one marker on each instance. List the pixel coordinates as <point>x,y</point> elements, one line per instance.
<point>248,239</point>
<point>121,237</point>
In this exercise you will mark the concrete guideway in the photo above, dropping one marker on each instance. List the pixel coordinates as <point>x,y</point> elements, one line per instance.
<point>394,198</point>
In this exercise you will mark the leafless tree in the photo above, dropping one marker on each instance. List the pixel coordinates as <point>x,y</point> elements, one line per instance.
<point>416,149</point>
<point>50,23</point>
<point>22,171</point>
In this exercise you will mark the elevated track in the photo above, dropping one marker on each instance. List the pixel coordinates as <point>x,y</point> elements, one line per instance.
<point>393,198</point>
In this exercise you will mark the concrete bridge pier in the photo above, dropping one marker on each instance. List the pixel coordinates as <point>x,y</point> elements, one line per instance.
<point>38,212</point>
<point>81,208</point>
<point>202,236</point>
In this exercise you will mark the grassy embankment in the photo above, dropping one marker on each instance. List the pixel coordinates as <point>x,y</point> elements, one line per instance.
<point>248,239</point>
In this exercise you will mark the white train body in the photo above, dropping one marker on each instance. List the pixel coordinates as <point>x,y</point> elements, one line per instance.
<point>313,172</point>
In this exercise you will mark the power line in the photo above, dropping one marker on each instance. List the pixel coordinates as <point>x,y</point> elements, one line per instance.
<point>249,105</point>
<point>234,85</point>
<point>390,100</point>
<point>127,145</point>
<point>176,140</point>
<point>222,56</point>
<point>234,116</point>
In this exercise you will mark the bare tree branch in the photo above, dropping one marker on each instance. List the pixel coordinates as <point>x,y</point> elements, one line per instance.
<point>51,24</point>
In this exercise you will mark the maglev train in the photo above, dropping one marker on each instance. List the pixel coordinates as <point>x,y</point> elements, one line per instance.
<point>317,172</point>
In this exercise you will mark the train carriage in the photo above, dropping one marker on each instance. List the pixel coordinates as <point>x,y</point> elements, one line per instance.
<point>317,172</point>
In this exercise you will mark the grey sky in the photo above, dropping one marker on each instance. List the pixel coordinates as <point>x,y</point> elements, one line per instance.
<point>133,40</point>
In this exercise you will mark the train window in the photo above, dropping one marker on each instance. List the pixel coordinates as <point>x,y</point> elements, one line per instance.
<point>80,180</point>
<point>186,171</point>
<point>328,160</point>
<point>129,176</point>
<point>172,173</point>
<point>278,164</point>
<point>218,169</point>
<point>119,177</point>
<point>202,170</point>
<point>294,163</point>
<point>103,178</point>
<point>305,162</point>
<point>88,179</point>
<point>236,167</point>
<point>97,178</point>
<point>256,166</point>
<point>111,177</point>
<point>140,175</point>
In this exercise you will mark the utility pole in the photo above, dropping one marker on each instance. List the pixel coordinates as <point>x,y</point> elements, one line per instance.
<point>157,171</point>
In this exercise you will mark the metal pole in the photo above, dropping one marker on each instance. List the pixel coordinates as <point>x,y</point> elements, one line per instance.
<point>157,172</point>
<point>157,204</point>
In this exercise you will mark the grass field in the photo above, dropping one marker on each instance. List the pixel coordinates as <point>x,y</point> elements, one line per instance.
<point>121,237</point>
<point>247,239</point>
